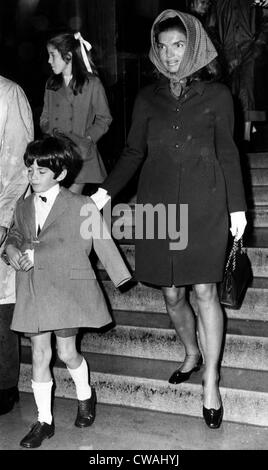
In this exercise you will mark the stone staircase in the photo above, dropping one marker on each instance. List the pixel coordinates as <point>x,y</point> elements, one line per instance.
<point>131,362</point>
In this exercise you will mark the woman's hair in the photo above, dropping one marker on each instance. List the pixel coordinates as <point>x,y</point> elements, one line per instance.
<point>50,152</point>
<point>210,73</point>
<point>169,24</point>
<point>66,43</point>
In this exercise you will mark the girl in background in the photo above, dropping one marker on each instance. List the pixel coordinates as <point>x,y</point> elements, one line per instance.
<point>76,105</point>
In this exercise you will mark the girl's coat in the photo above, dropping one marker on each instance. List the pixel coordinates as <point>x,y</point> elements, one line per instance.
<point>79,116</point>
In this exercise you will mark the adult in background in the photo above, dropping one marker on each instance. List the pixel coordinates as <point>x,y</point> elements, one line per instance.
<point>242,34</point>
<point>199,8</point>
<point>16,130</point>
<point>203,11</point>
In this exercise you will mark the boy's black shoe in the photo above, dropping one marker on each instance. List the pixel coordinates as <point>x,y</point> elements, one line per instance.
<point>86,411</point>
<point>8,397</point>
<point>39,432</point>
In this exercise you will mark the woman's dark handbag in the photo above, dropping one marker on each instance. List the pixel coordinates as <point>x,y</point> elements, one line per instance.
<point>237,276</point>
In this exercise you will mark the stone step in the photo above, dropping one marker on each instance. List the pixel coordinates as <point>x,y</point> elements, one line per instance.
<point>258,216</point>
<point>233,326</point>
<point>241,351</point>
<point>259,176</point>
<point>139,297</point>
<point>258,258</point>
<point>259,261</point>
<point>255,238</point>
<point>142,383</point>
<point>258,196</point>
<point>256,160</point>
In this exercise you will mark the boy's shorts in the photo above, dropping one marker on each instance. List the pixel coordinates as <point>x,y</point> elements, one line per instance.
<point>64,333</point>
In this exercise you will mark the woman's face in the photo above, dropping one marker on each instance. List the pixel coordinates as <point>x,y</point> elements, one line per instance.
<point>56,61</point>
<point>171,46</point>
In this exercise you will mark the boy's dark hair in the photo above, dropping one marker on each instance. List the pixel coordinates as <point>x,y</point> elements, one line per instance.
<point>50,152</point>
<point>66,43</point>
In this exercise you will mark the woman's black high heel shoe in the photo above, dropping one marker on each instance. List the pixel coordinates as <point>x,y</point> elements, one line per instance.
<point>178,376</point>
<point>212,417</point>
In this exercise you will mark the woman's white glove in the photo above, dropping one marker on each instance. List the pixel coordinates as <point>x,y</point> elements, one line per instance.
<point>238,224</point>
<point>100,198</point>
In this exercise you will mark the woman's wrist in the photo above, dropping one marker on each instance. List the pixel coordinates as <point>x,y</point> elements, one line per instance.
<point>100,198</point>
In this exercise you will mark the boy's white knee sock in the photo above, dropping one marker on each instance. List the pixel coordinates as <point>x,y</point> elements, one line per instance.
<point>42,396</point>
<point>80,378</point>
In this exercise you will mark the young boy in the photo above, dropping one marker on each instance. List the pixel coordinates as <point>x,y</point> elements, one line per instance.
<point>56,286</point>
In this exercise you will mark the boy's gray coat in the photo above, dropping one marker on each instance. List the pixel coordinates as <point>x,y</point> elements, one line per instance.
<point>61,291</point>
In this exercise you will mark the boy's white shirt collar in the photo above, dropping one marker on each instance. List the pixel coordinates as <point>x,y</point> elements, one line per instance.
<point>50,194</point>
<point>43,210</point>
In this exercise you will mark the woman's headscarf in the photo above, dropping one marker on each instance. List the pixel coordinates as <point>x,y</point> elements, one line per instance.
<point>199,50</point>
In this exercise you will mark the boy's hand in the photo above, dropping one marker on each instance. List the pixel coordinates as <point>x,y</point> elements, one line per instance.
<point>13,255</point>
<point>25,262</point>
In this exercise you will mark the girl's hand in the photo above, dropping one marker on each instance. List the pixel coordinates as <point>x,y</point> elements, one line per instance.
<point>25,262</point>
<point>238,224</point>
<point>13,255</point>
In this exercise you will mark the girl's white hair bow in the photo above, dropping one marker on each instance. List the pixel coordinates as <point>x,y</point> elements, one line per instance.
<point>84,45</point>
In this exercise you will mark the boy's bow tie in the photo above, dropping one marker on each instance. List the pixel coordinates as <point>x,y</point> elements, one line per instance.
<point>44,199</point>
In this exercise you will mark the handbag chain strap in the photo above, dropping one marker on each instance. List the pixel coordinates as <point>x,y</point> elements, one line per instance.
<point>237,245</point>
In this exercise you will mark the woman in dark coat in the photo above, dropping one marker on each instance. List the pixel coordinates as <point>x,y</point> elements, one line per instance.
<point>182,132</point>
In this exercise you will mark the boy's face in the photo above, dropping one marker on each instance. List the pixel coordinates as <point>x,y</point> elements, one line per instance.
<point>40,178</point>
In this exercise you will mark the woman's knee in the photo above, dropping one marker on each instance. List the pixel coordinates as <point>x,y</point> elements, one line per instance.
<point>206,292</point>
<point>173,295</point>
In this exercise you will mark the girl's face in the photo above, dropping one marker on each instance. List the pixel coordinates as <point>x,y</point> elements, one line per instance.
<point>171,46</point>
<point>56,61</point>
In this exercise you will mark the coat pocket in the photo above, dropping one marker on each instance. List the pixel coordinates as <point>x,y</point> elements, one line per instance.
<point>77,273</point>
